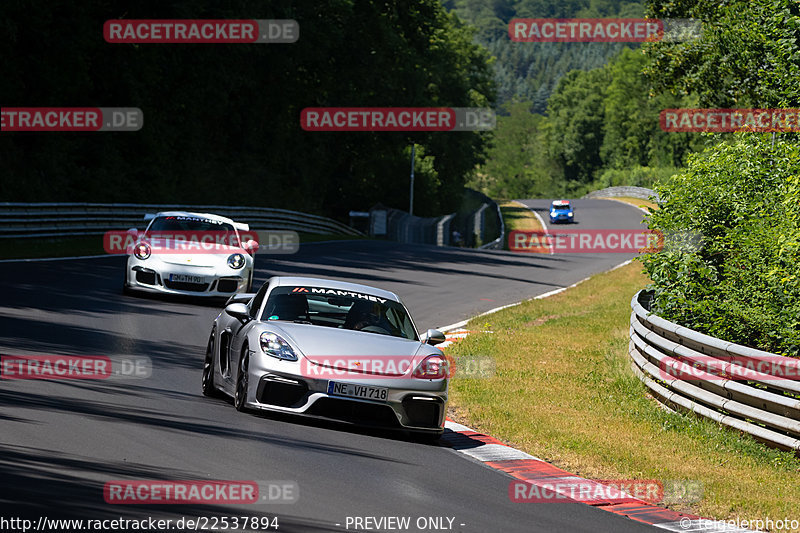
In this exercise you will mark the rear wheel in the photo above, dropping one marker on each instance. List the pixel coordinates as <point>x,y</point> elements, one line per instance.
<point>208,369</point>
<point>126,289</point>
<point>242,381</point>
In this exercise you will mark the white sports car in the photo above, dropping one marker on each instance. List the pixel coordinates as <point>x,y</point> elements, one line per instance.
<point>196,254</point>
<point>329,349</point>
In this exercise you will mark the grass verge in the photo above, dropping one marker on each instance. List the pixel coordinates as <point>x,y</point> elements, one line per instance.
<point>564,391</point>
<point>517,216</point>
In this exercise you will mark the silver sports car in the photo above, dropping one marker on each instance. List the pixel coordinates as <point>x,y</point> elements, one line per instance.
<point>196,254</point>
<point>331,350</point>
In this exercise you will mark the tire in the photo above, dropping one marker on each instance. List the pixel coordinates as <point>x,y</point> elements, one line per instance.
<point>242,381</point>
<point>125,287</point>
<point>208,370</point>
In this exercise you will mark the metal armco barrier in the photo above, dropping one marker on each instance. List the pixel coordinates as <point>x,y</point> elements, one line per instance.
<point>766,406</point>
<point>72,219</point>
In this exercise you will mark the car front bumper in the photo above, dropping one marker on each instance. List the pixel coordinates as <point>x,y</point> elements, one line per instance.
<point>416,405</point>
<point>155,277</point>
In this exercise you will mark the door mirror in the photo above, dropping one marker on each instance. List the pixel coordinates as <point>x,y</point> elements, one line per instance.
<point>433,337</point>
<point>251,246</point>
<point>237,310</point>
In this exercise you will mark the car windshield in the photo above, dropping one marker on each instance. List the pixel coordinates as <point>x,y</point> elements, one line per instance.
<point>322,306</point>
<point>195,226</point>
<point>559,207</point>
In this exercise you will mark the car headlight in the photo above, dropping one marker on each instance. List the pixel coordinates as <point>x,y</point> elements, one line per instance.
<point>236,261</point>
<point>142,251</point>
<point>432,367</point>
<point>274,346</point>
<point>569,214</point>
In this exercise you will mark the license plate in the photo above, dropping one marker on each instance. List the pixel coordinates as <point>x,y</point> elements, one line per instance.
<point>353,390</point>
<point>186,278</point>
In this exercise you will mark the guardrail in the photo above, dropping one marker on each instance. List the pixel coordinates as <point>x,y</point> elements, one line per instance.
<point>623,191</point>
<point>766,406</point>
<point>73,219</point>
<point>497,244</point>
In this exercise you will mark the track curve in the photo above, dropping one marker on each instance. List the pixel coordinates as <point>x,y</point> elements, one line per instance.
<point>61,441</point>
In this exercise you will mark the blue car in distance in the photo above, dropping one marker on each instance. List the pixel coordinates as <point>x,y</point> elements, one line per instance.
<point>561,211</point>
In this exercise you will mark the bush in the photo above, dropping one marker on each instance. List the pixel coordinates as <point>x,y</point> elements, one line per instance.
<point>742,283</point>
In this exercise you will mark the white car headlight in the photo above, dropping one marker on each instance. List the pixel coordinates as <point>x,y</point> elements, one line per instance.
<point>142,251</point>
<point>273,345</point>
<point>236,261</point>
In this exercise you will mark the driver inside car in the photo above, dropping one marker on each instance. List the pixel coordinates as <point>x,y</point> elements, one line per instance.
<point>363,315</point>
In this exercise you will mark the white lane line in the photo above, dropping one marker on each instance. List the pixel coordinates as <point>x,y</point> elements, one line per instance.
<point>457,325</point>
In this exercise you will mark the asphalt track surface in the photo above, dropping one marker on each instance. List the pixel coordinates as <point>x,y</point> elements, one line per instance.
<point>62,440</point>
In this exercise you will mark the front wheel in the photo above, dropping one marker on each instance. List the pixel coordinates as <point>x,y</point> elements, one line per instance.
<point>242,381</point>
<point>208,369</point>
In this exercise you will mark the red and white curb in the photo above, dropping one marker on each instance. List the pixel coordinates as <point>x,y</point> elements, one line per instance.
<point>456,335</point>
<point>523,466</point>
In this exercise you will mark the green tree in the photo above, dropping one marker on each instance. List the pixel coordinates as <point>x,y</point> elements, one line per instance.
<point>576,121</point>
<point>517,163</point>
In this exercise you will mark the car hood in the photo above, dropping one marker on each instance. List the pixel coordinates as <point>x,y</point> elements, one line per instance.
<point>352,350</point>
<point>200,259</point>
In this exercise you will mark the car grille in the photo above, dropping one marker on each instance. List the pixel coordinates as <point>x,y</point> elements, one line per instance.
<point>228,285</point>
<point>281,392</point>
<point>356,412</point>
<point>148,277</point>
<point>424,413</point>
<point>185,286</point>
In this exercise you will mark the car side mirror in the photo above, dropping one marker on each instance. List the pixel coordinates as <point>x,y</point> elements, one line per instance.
<point>251,246</point>
<point>238,310</point>
<point>433,337</point>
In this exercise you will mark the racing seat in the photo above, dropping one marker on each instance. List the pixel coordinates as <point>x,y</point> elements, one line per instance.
<point>288,307</point>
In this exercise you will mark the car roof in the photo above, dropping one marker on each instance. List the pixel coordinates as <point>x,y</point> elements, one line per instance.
<point>209,216</point>
<point>282,281</point>
<point>562,203</point>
